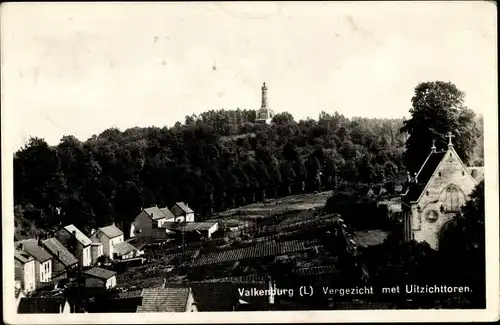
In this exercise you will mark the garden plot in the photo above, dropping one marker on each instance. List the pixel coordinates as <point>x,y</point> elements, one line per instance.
<point>297,203</point>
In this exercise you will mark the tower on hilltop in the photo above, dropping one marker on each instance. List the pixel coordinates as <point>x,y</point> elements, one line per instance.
<point>264,114</point>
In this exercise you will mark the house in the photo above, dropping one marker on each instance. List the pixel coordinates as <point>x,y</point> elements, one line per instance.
<point>125,250</point>
<point>43,305</point>
<point>169,216</point>
<point>97,277</point>
<point>62,259</point>
<point>435,194</point>
<point>43,260</point>
<point>149,222</point>
<point>109,236</point>
<point>25,271</point>
<point>96,251</point>
<point>392,205</point>
<point>182,212</point>
<point>167,300</point>
<point>193,229</point>
<point>117,302</point>
<point>227,296</point>
<point>77,243</point>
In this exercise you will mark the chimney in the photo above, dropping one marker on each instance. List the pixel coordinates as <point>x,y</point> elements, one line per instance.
<point>39,239</point>
<point>74,233</point>
<point>408,176</point>
<point>164,283</point>
<point>416,180</point>
<point>21,246</point>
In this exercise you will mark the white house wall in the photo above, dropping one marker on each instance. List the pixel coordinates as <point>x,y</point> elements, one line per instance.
<point>29,276</point>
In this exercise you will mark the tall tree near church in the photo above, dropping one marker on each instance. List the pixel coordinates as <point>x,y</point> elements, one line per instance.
<point>462,247</point>
<point>438,108</point>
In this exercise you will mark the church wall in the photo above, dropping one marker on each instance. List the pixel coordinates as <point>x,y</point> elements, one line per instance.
<point>435,197</point>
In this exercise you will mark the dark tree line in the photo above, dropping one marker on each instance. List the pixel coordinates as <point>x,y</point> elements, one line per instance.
<point>111,176</point>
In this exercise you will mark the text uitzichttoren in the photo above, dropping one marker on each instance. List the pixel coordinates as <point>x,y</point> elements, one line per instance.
<point>305,291</point>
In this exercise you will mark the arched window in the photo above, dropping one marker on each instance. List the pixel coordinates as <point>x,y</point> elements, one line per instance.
<point>453,198</point>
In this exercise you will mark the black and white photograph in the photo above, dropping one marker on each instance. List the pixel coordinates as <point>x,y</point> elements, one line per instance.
<point>252,162</point>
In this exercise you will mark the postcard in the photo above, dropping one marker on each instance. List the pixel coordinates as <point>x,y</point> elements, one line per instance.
<point>237,162</point>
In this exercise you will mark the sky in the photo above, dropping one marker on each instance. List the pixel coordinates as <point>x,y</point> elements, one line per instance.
<point>81,68</point>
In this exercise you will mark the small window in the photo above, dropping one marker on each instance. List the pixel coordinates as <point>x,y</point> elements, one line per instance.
<point>450,154</point>
<point>463,173</point>
<point>453,199</point>
<point>427,193</point>
<point>439,174</point>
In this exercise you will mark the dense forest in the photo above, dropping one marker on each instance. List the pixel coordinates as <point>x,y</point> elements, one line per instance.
<point>214,161</point>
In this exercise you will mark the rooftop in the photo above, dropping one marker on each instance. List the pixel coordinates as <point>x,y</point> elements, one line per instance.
<point>80,236</point>
<point>22,256</point>
<point>168,214</point>
<point>222,296</point>
<point>132,294</point>
<point>57,249</point>
<point>124,248</point>
<point>164,300</point>
<point>189,226</point>
<point>155,213</point>
<point>317,270</point>
<point>31,247</point>
<point>99,273</point>
<point>424,175</point>
<point>111,231</point>
<point>184,207</point>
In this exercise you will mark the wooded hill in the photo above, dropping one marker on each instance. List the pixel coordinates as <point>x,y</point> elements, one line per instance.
<point>222,159</point>
<point>111,176</point>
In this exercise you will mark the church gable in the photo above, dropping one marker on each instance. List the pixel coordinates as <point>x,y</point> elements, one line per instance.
<point>450,184</point>
<point>436,194</point>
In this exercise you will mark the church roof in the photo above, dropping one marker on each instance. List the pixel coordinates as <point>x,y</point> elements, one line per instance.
<point>424,175</point>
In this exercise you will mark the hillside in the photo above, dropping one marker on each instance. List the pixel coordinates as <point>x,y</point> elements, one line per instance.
<point>205,163</point>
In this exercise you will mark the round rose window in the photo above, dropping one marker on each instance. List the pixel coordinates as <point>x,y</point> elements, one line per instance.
<point>432,216</point>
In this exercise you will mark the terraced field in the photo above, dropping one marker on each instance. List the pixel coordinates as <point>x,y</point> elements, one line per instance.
<point>297,203</point>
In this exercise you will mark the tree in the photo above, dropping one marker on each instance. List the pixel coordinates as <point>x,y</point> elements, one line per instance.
<point>462,246</point>
<point>283,118</point>
<point>438,108</point>
<point>113,174</point>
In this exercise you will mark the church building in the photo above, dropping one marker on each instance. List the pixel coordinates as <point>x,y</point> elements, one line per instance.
<point>436,193</point>
<point>264,114</point>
